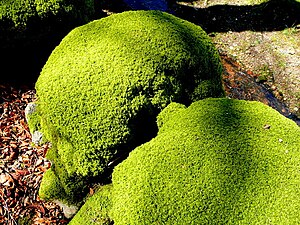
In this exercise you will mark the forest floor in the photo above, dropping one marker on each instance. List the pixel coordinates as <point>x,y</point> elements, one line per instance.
<point>263,36</point>
<point>259,44</point>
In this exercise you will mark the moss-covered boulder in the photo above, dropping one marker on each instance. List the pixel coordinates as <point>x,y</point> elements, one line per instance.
<point>30,29</point>
<point>103,86</point>
<point>218,161</point>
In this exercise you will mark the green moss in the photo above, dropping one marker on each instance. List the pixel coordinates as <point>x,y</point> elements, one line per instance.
<point>59,184</point>
<point>50,186</point>
<point>19,14</point>
<point>34,122</point>
<point>103,86</point>
<point>30,30</point>
<point>96,209</point>
<point>219,161</point>
<point>26,220</point>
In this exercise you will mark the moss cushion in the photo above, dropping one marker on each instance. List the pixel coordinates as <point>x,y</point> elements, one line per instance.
<point>218,161</point>
<point>102,87</point>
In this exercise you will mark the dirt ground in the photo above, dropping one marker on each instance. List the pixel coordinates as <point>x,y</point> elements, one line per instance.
<point>263,36</point>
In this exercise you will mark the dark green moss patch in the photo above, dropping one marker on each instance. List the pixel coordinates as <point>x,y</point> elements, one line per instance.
<point>29,31</point>
<point>96,209</point>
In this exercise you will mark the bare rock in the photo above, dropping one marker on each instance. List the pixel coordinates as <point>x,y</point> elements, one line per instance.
<point>68,210</point>
<point>30,109</point>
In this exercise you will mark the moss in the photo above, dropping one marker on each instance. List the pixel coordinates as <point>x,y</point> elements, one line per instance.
<point>107,80</point>
<point>50,186</point>
<point>219,161</point>
<point>19,14</point>
<point>59,184</point>
<point>34,122</point>
<point>96,209</point>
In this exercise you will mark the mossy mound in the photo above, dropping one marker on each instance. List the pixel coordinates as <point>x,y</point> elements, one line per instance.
<point>103,86</point>
<point>218,161</point>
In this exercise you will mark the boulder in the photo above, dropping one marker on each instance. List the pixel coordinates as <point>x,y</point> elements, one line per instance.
<point>103,86</point>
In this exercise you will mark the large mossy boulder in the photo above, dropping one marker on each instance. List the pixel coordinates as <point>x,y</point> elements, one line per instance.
<point>103,86</point>
<point>219,161</point>
<point>30,29</point>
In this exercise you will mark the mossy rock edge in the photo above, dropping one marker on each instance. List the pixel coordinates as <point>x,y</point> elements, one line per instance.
<point>96,209</point>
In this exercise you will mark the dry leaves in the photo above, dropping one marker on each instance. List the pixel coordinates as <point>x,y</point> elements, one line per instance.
<point>22,165</point>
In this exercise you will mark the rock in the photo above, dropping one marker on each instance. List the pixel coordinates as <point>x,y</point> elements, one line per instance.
<point>37,137</point>
<point>30,109</point>
<point>68,210</point>
<point>139,61</point>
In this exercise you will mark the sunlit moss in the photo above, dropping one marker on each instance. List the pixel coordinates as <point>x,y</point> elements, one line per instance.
<point>219,161</point>
<point>102,87</point>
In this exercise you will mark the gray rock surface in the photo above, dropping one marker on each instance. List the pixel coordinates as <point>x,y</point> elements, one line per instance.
<point>68,210</point>
<point>37,137</point>
<point>30,109</point>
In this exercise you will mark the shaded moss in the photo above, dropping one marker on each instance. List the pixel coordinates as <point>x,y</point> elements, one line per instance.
<point>20,15</point>
<point>59,184</point>
<point>30,30</point>
<point>34,123</point>
<point>96,209</point>
<point>219,161</point>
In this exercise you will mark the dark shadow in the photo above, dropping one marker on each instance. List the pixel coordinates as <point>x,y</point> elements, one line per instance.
<point>273,15</point>
<point>22,63</point>
<point>24,52</point>
<point>108,6</point>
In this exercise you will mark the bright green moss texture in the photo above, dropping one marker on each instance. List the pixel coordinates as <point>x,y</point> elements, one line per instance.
<point>103,86</point>
<point>218,161</point>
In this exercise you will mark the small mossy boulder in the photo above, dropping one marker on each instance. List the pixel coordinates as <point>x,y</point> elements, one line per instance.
<point>103,86</point>
<point>219,161</point>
